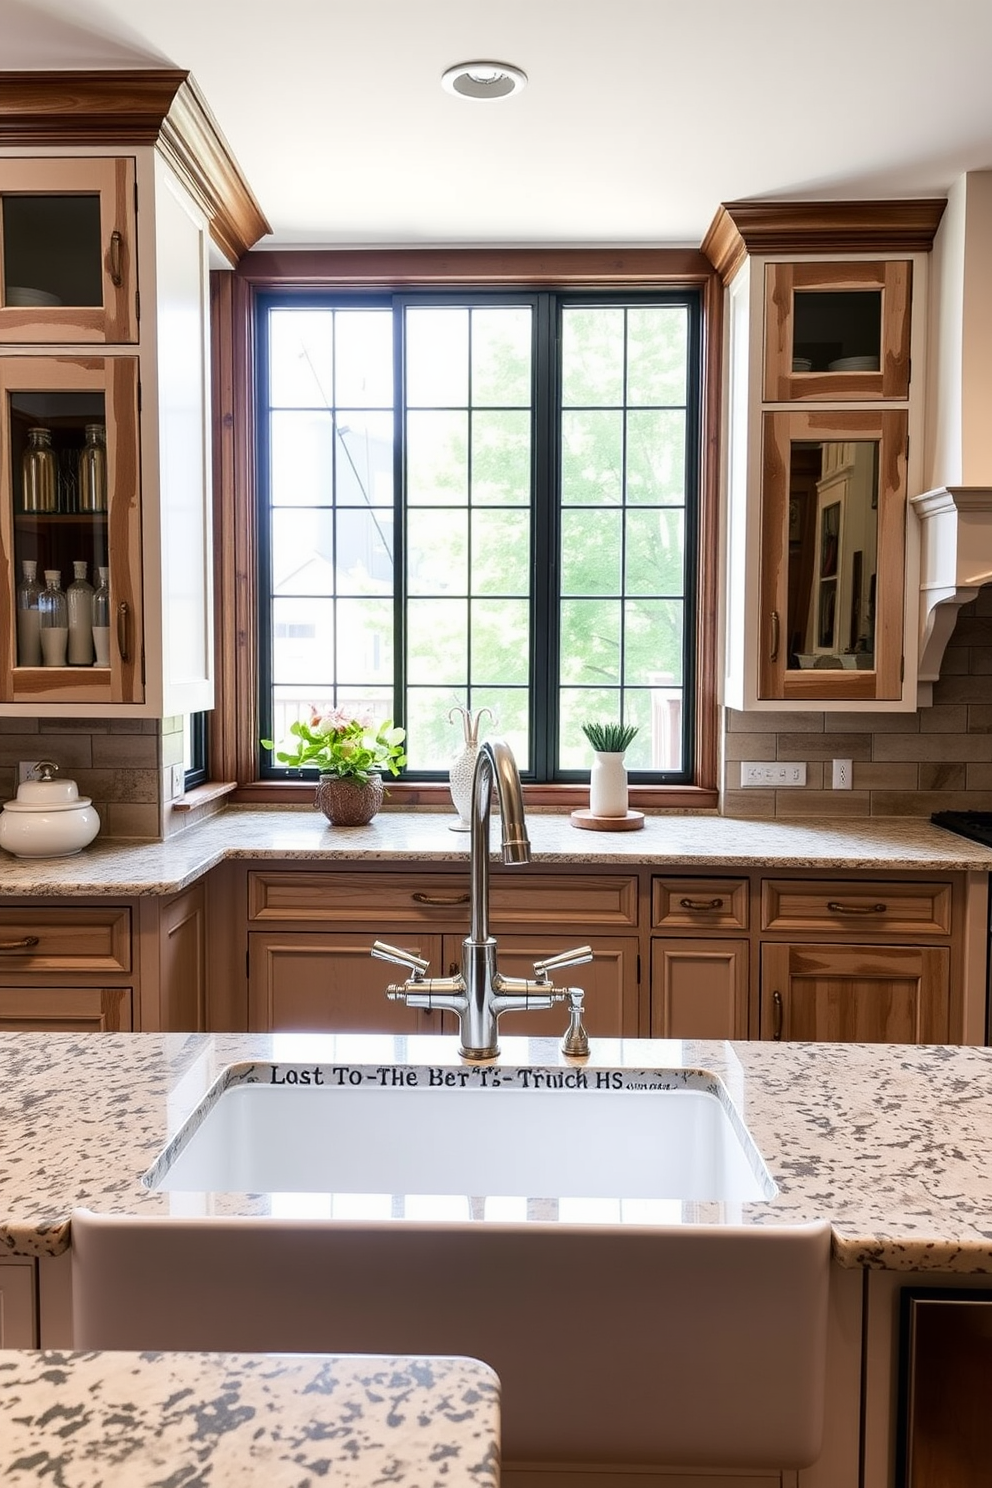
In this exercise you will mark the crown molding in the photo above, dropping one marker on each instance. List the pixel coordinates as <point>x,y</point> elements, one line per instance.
<point>886,227</point>
<point>128,107</point>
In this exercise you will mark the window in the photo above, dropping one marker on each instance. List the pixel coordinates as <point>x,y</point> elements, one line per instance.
<point>487,499</point>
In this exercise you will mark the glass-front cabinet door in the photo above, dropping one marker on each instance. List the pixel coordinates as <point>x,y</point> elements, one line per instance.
<point>833,512</point>
<point>70,530</point>
<point>67,251</point>
<point>837,331</point>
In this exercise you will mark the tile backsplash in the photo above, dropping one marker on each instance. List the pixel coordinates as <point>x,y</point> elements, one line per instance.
<point>123,765</point>
<point>904,764</point>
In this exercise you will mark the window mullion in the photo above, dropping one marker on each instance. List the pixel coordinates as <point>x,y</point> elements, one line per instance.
<point>546,528</point>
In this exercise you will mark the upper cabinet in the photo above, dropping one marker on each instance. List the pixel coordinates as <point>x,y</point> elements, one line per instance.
<point>117,196</point>
<point>826,311</point>
<point>67,249</point>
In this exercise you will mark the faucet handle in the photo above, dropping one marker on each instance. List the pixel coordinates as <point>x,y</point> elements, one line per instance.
<point>575,957</point>
<point>417,964</point>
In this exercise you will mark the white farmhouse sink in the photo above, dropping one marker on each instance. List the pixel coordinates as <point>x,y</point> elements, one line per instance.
<point>532,1218</point>
<point>662,1135</point>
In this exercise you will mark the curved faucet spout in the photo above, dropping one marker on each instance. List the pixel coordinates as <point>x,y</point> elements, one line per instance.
<point>494,766</point>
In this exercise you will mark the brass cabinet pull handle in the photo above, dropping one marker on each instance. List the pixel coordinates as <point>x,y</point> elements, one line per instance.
<point>778,1011</point>
<point>836,908</point>
<point>122,617</point>
<point>116,255</point>
<point>776,627</point>
<point>19,945</point>
<point>439,901</point>
<point>700,903</point>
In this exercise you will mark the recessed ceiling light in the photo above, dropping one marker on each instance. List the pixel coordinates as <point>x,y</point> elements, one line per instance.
<point>486,81</point>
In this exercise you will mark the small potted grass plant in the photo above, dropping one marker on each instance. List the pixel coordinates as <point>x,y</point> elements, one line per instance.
<point>608,777</point>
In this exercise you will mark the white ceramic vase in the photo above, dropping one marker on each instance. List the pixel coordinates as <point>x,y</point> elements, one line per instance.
<point>461,771</point>
<point>607,784</point>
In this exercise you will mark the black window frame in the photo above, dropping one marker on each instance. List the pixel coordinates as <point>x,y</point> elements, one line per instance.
<point>546,507</point>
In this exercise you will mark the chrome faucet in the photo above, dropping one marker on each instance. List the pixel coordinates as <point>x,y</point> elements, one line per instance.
<point>480,992</point>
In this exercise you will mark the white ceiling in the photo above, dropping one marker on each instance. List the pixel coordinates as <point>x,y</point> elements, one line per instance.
<point>639,118</point>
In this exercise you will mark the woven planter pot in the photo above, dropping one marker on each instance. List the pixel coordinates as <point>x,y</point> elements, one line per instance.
<point>347,802</point>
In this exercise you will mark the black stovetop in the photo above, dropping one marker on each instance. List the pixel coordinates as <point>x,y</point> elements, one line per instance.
<point>974,824</point>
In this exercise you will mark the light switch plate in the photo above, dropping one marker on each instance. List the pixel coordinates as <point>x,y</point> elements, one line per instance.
<point>772,774</point>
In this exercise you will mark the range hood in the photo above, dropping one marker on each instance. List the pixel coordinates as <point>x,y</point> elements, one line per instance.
<point>955,561</point>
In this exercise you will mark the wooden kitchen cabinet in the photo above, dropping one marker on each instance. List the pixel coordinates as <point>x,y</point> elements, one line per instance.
<point>66,968</point>
<point>699,963</point>
<point>329,983</point>
<point>66,1009</point>
<point>609,981</point>
<point>65,395</point>
<point>855,994</point>
<point>69,234</point>
<point>826,304</point>
<point>106,231</point>
<point>533,915</point>
<point>18,1311</point>
<point>699,989</point>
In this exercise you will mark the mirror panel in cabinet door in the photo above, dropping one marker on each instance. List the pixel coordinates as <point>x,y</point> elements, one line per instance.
<point>835,332</point>
<point>832,555</point>
<point>67,251</point>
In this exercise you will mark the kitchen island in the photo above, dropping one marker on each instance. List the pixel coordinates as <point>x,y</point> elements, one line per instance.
<point>891,1146</point>
<point>115,1420</point>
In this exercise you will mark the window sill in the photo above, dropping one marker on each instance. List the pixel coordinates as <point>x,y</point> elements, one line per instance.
<point>435,796</point>
<point>202,795</point>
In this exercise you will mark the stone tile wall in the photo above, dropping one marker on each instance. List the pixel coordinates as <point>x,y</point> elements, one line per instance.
<point>123,765</point>
<point>904,764</point>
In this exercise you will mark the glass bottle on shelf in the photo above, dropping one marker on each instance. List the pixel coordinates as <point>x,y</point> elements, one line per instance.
<point>92,490</point>
<point>79,602</point>
<point>38,472</point>
<point>54,620</point>
<point>28,616</point>
<point>101,618</point>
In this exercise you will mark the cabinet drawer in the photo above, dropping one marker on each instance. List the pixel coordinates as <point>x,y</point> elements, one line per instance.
<point>65,1010</point>
<point>90,939</point>
<point>699,903</point>
<point>887,908</point>
<point>414,898</point>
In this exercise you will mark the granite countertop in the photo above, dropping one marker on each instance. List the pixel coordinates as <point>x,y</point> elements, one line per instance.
<point>891,1144</point>
<point>108,868</point>
<point>115,1420</point>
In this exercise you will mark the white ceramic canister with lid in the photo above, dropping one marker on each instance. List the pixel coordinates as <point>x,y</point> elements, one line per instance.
<point>48,818</point>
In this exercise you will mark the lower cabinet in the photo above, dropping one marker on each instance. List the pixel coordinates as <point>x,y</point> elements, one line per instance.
<point>699,989</point>
<point>609,981</point>
<point>856,994</point>
<point>32,1009</point>
<point>18,1309</point>
<point>329,982</point>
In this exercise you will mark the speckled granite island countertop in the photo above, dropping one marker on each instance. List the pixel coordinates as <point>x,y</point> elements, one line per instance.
<point>118,1420</point>
<point>302,834</point>
<point>891,1144</point>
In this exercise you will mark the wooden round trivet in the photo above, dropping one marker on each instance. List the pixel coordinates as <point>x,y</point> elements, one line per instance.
<point>628,823</point>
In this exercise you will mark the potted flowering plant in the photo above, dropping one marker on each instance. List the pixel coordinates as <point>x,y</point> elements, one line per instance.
<point>350,751</point>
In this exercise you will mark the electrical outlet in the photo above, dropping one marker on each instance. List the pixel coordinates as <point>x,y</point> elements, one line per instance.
<point>843,771</point>
<point>178,781</point>
<point>24,769</point>
<point>771,774</point>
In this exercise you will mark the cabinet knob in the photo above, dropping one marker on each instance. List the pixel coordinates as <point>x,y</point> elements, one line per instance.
<point>777,1012</point>
<point>701,904</point>
<point>776,628</point>
<point>837,908</point>
<point>440,901</point>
